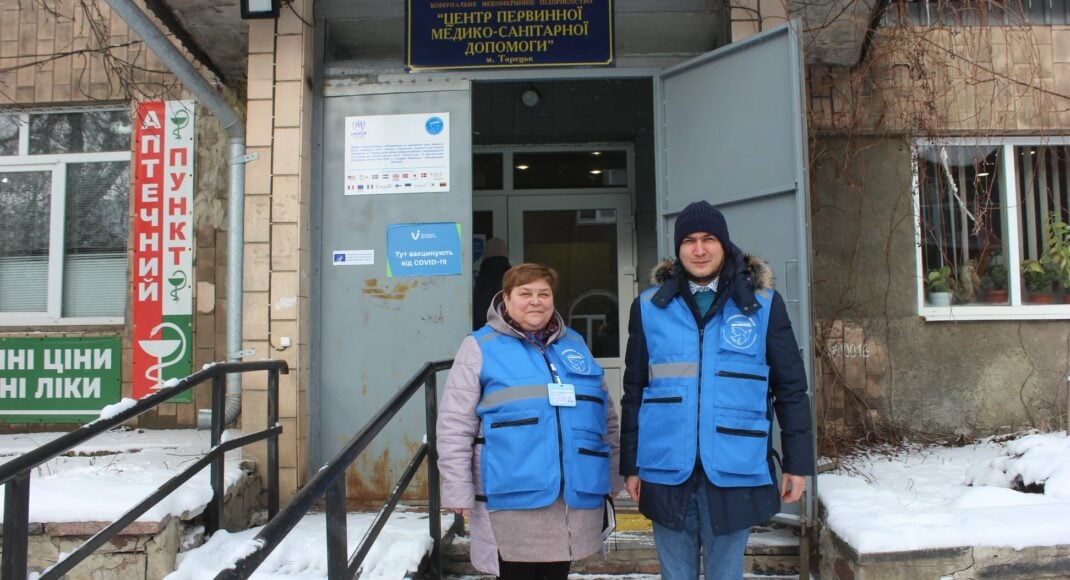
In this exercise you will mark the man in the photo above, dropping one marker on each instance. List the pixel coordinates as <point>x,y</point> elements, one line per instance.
<point>710,356</point>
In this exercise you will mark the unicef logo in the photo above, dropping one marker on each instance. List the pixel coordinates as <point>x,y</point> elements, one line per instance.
<point>739,331</point>
<point>575,361</point>
<point>434,125</point>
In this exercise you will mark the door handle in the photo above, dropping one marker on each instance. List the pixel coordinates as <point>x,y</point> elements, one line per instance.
<point>791,274</point>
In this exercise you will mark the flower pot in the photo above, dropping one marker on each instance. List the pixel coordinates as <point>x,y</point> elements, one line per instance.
<point>1039,298</point>
<point>997,296</point>
<point>939,298</point>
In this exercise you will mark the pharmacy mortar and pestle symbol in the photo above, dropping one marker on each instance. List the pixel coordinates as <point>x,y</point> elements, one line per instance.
<point>161,348</point>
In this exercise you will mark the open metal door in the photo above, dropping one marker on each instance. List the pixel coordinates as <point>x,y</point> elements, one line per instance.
<point>374,326</point>
<point>731,130</point>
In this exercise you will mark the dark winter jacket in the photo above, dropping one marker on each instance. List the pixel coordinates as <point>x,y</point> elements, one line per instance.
<point>489,283</point>
<point>732,508</point>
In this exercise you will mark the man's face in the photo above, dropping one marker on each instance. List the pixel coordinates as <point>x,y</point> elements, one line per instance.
<point>702,256</point>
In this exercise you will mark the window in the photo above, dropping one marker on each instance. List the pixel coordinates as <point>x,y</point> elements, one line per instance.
<point>64,206</point>
<point>541,168</point>
<point>981,256</point>
<point>982,12</point>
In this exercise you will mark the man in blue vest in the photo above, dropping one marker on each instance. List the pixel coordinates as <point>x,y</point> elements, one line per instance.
<point>711,358</point>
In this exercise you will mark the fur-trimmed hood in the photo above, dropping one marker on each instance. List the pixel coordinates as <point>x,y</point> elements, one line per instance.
<point>742,276</point>
<point>761,273</point>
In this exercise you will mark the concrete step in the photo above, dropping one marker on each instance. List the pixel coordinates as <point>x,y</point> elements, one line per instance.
<point>144,550</point>
<point>772,551</point>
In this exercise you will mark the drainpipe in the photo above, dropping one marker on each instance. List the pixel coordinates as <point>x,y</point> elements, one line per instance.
<point>236,159</point>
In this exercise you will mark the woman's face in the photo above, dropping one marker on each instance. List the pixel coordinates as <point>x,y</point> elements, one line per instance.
<point>531,305</point>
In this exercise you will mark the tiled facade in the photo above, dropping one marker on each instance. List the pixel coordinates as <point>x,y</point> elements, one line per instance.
<point>276,292</point>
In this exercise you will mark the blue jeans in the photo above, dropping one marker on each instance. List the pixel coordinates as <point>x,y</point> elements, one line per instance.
<point>679,550</point>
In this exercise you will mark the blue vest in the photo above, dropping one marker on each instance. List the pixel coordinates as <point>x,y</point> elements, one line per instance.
<point>532,451</point>
<point>707,395</point>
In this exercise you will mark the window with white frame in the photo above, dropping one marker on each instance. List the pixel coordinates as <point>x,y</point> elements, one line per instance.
<point>991,224</point>
<point>64,210</point>
<point>981,12</point>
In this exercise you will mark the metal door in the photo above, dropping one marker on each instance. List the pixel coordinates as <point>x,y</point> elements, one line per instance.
<point>731,130</point>
<point>373,331</point>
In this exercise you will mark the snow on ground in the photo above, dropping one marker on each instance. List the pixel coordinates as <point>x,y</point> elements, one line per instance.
<point>303,554</point>
<point>934,497</point>
<point>93,482</point>
<point>907,498</point>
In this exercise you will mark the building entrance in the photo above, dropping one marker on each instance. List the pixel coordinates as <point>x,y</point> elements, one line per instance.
<point>584,174</point>
<point>589,238</point>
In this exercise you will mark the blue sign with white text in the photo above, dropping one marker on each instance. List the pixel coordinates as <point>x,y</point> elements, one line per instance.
<point>508,33</point>
<point>423,249</point>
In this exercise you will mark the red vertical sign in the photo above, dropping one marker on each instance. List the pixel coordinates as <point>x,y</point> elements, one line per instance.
<point>147,266</point>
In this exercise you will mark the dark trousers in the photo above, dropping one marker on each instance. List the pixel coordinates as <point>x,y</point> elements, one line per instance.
<point>533,570</point>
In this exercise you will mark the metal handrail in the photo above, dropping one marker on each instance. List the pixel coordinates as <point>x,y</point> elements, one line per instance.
<point>15,474</point>
<point>330,481</point>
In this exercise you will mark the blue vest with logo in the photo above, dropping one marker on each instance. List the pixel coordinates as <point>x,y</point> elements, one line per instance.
<point>532,451</point>
<point>707,395</point>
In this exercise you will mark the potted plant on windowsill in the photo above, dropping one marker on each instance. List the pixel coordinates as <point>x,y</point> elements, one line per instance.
<point>1038,280</point>
<point>939,284</point>
<point>994,283</point>
<point>1056,257</point>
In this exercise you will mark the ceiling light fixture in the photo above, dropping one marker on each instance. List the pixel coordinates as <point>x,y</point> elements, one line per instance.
<point>530,97</point>
<point>522,166</point>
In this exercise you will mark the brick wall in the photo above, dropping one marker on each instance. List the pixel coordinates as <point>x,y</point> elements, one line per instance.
<point>971,80</point>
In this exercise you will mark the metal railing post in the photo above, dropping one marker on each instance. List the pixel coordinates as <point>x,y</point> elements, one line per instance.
<point>215,507</point>
<point>16,524</point>
<point>337,534</point>
<point>434,498</point>
<point>273,444</point>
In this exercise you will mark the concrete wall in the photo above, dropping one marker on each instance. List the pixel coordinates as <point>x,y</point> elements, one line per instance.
<point>52,57</point>
<point>880,364</point>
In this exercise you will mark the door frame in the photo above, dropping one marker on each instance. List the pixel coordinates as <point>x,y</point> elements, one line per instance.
<point>625,240</point>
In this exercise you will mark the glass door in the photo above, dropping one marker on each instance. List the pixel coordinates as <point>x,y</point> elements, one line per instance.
<point>588,240</point>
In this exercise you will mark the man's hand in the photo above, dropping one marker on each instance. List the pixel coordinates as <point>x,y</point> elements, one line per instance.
<point>791,487</point>
<point>462,511</point>
<point>632,484</point>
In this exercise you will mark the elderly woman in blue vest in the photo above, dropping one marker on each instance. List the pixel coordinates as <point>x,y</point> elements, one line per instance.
<point>711,357</point>
<point>527,436</point>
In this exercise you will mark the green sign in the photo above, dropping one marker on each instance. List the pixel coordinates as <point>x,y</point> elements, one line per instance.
<point>58,380</point>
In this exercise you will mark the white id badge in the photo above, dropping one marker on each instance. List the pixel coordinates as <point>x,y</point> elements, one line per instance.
<point>562,395</point>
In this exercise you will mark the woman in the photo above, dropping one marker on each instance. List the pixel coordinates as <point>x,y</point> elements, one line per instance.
<point>527,435</point>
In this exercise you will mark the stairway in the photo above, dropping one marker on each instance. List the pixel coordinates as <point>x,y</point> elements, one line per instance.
<point>772,551</point>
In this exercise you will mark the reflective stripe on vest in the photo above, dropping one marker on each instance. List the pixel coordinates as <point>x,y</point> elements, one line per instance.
<point>726,421</point>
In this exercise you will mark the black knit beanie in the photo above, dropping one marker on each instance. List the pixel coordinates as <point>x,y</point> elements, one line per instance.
<point>700,216</point>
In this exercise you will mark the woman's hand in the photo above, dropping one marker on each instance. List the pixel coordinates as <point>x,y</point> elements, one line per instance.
<point>632,484</point>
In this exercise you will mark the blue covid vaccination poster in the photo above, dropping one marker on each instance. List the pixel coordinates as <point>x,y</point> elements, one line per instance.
<point>432,249</point>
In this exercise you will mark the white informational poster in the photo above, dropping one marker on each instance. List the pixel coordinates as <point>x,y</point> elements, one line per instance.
<point>397,153</point>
